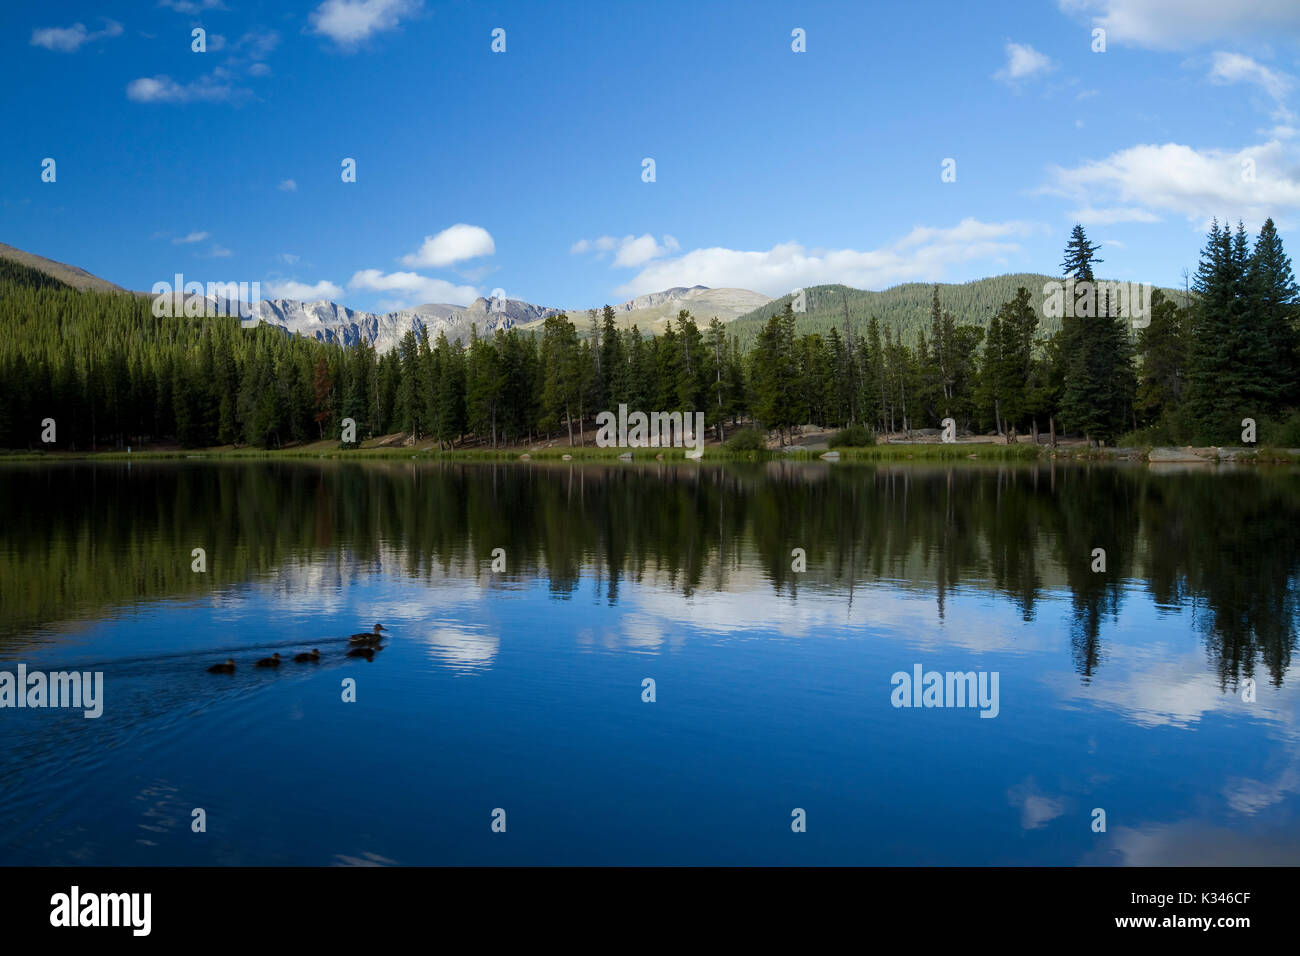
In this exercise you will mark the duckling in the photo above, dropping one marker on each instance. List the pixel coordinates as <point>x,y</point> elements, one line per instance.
<point>227,668</point>
<point>367,652</point>
<point>272,661</point>
<point>307,657</point>
<point>370,638</point>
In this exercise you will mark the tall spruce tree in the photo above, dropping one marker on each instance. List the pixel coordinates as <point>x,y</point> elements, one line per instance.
<point>1223,363</point>
<point>1099,381</point>
<point>1272,290</point>
<point>1162,346</point>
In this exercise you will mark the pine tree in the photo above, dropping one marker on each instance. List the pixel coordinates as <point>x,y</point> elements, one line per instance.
<point>322,395</point>
<point>775,375</point>
<point>613,360</point>
<point>720,399</point>
<point>641,391</point>
<point>1272,290</point>
<point>1008,364</point>
<point>1162,346</point>
<point>1223,359</point>
<point>449,391</point>
<point>561,375</point>
<point>483,387</point>
<point>412,406</point>
<point>1099,379</point>
<point>692,375</point>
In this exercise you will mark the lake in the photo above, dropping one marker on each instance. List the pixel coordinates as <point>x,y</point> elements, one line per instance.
<point>1137,625</point>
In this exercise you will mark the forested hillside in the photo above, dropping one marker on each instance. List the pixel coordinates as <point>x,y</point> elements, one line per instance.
<point>110,373</point>
<point>906,308</point>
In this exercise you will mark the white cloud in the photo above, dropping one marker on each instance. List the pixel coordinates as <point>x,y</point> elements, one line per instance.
<point>163,89</point>
<point>454,244</point>
<point>1196,184</point>
<point>257,45</point>
<point>1023,61</point>
<point>460,647</point>
<point>1036,808</point>
<point>1197,843</point>
<point>218,252</point>
<point>293,289</point>
<point>1235,68</point>
<point>1181,24</point>
<point>350,22</point>
<point>245,56</point>
<point>630,251</point>
<point>1156,688</point>
<point>70,39</point>
<point>192,237</point>
<point>634,252</point>
<point>603,244</point>
<point>288,257</point>
<point>923,255</point>
<point>288,185</point>
<point>415,289</point>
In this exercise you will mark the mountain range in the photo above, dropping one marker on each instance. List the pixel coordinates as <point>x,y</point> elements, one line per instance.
<point>68,275</point>
<point>334,323</point>
<point>330,322</point>
<point>904,308</point>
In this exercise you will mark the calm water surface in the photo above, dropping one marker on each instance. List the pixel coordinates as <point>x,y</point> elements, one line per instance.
<point>522,690</point>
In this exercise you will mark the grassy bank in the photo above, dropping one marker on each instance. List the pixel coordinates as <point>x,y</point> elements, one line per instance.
<point>588,453</point>
<point>961,451</point>
<point>935,452</point>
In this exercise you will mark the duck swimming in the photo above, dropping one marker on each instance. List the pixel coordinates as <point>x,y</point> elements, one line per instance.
<point>227,668</point>
<point>368,638</point>
<point>307,657</point>
<point>272,661</point>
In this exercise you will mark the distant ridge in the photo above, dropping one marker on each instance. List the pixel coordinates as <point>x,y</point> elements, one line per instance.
<point>654,310</point>
<point>69,275</point>
<point>906,308</point>
<point>330,322</point>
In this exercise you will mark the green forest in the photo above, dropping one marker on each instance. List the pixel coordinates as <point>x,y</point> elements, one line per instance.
<point>110,374</point>
<point>906,308</point>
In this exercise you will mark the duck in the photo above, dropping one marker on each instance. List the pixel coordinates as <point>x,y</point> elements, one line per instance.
<point>367,652</point>
<point>372,637</point>
<point>306,657</point>
<point>272,661</point>
<point>227,668</point>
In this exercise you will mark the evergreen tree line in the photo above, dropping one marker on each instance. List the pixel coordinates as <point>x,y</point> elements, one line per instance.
<point>111,374</point>
<point>1187,373</point>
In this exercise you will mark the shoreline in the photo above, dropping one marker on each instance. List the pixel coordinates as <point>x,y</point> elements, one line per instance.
<point>918,452</point>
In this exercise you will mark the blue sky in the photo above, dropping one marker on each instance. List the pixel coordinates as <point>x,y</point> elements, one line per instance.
<point>523,170</point>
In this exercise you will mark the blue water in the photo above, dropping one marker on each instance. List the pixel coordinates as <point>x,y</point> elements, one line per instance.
<point>506,691</point>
